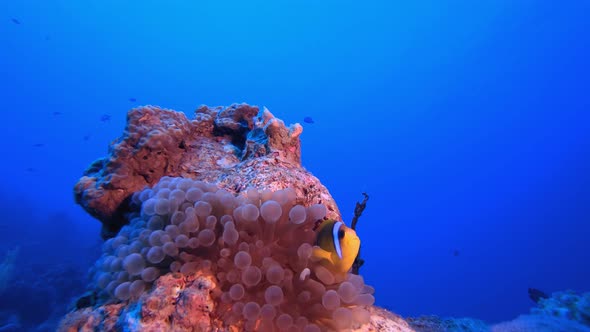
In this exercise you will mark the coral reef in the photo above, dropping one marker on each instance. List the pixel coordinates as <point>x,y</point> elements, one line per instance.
<point>235,147</point>
<point>438,324</point>
<point>7,268</point>
<point>209,225</point>
<point>44,282</point>
<point>540,323</point>
<point>568,304</point>
<point>563,311</point>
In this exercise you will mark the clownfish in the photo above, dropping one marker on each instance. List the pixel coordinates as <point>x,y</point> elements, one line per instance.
<point>337,244</point>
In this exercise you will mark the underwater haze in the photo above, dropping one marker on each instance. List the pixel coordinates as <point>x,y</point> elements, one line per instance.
<point>466,122</point>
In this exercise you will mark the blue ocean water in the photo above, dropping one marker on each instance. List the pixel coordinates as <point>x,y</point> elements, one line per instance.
<point>467,123</point>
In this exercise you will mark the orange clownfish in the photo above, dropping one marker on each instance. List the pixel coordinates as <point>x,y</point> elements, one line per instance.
<point>337,244</point>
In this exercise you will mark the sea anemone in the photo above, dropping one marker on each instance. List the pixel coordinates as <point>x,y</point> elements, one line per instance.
<point>257,245</point>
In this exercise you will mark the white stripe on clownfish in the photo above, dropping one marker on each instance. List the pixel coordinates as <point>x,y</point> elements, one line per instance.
<point>336,239</point>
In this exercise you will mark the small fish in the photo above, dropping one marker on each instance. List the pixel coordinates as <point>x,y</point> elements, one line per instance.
<point>30,169</point>
<point>47,37</point>
<point>132,100</point>
<point>86,137</point>
<point>337,244</point>
<point>105,118</point>
<point>456,252</point>
<point>536,295</point>
<point>308,119</point>
<point>38,145</point>
<point>15,21</point>
<point>57,113</point>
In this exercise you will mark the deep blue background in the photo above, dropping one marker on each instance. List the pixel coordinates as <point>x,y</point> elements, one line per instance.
<point>466,122</point>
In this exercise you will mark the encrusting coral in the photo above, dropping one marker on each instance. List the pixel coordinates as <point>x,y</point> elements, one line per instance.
<point>211,225</point>
<point>235,147</point>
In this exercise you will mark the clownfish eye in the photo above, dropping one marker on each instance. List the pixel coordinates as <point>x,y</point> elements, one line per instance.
<point>341,234</point>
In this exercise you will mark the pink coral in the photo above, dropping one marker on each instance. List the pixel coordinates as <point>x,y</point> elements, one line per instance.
<point>230,146</point>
